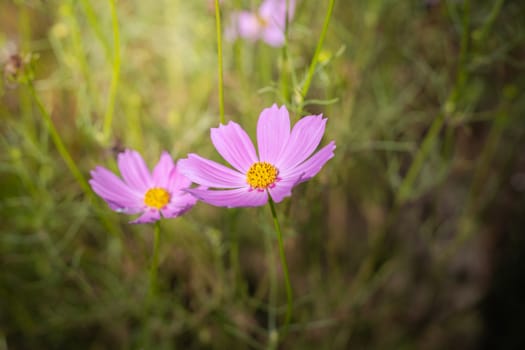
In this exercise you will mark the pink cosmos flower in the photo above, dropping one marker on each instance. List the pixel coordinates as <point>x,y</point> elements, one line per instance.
<point>267,24</point>
<point>285,159</point>
<point>156,195</point>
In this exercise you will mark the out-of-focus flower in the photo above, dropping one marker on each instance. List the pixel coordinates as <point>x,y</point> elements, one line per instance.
<point>285,160</point>
<point>13,64</point>
<point>267,24</point>
<point>155,195</point>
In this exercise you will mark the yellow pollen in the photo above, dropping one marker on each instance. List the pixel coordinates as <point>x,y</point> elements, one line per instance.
<point>262,21</point>
<point>157,198</point>
<point>261,175</point>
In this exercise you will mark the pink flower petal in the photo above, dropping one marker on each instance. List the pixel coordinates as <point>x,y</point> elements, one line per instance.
<point>274,11</point>
<point>180,204</point>
<point>167,175</point>
<point>234,145</point>
<point>273,36</point>
<point>273,131</point>
<point>312,166</point>
<point>240,197</point>
<point>134,170</point>
<point>210,173</point>
<point>114,191</point>
<point>128,196</point>
<point>177,180</point>
<point>248,25</point>
<point>283,188</point>
<point>126,210</point>
<point>304,139</point>
<point>151,215</point>
<point>163,170</point>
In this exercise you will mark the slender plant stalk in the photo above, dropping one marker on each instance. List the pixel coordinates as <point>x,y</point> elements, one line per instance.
<point>284,265</point>
<point>86,92</point>
<point>59,144</point>
<point>285,72</point>
<point>481,33</point>
<point>406,186</point>
<point>66,157</point>
<point>219,60</point>
<point>152,288</point>
<point>315,58</point>
<point>419,160</point>
<point>115,75</point>
<point>153,269</point>
<point>272,339</point>
<point>93,22</point>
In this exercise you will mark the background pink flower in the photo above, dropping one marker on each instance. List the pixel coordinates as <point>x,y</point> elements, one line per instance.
<point>155,195</point>
<point>267,24</point>
<point>285,160</point>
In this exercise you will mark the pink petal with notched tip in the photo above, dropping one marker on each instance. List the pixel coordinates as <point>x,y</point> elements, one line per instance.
<point>234,145</point>
<point>134,170</point>
<point>209,173</point>
<point>283,188</point>
<point>174,179</point>
<point>180,203</point>
<point>177,180</point>
<point>112,189</point>
<point>248,25</point>
<point>276,11</point>
<point>163,171</point>
<point>304,139</point>
<point>125,210</point>
<point>150,215</point>
<point>273,36</point>
<point>240,197</point>
<point>312,166</point>
<point>273,131</point>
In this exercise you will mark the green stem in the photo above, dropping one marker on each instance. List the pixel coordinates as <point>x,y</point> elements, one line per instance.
<point>108,117</point>
<point>426,146</point>
<point>219,60</point>
<point>285,71</point>
<point>272,338</point>
<point>315,58</point>
<point>66,157</point>
<point>480,34</point>
<point>285,85</point>
<point>405,188</point>
<point>153,269</point>
<point>93,22</point>
<point>284,265</point>
<point>59,144</point>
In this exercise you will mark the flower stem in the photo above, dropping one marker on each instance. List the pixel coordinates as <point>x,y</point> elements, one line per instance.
<point>108,117</point>
<point>284,265</point>
<point>272,332</point>
<point>285,88</point>
<point>93,21</point>
<point>59,144</point>
<point>66,156</point>
<point>219,60</point>
<point>315,58</point>
<point>405,189</point>
<point>153,269</point>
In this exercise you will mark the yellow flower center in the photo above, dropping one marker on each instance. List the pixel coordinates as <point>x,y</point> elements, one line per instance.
<point>261,175</point>
<point>157,198</point>
<point>263,22</point>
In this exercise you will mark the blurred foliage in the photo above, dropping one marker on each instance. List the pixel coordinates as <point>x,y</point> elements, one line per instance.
<point>410,238</point>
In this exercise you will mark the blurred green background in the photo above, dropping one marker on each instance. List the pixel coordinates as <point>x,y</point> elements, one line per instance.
<point>411,237</point>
